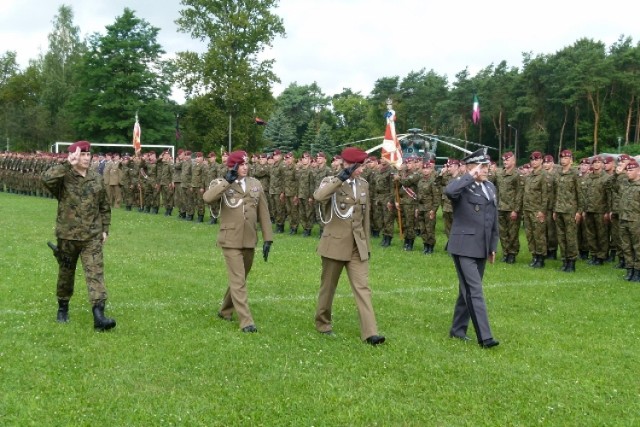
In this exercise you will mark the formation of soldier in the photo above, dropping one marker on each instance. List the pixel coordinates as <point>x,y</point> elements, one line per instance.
<point>574,208</point>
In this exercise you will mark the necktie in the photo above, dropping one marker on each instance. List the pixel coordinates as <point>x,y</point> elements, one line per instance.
<point>242,184</point>
<point>353,187</point>
<point>484,190</point>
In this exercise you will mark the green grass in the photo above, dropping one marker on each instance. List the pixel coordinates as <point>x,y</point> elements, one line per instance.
<point>569,348</point>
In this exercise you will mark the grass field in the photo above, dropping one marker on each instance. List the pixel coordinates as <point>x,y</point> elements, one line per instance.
<point>568,356</point>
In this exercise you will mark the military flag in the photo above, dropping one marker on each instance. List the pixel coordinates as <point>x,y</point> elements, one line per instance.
<point>260,122</point>
<point>475,115</point>
<point>178,134</point>
<point>391,149</point>
<point>136,135</point>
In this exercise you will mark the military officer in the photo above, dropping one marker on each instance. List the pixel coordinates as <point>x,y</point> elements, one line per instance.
<point>472,241</point>
<point>243,205</point>
<point>82,228</point>
<point>345,244</point>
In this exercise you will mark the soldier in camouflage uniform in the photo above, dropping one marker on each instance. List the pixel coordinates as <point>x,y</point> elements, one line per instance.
<point>82,228</point>
<point>178,191</point>
<point>549,167</point>
<point>630,221</point>
<point>507,182</point>
<point>276,191</point>
<point>535,201</point>
<point>428,202</point>
<point>320,172</point>
<point>567,205</point>
<point>584,170</point>
<point>619,182</point>
<point>198,185</point>
<point>304,196</point>
<point>165,180</point>
<point>384,199</point>
<point>150,184</point>
<point>448,172</point>
<point>127,191</point>
<point>406,183</point>
<point>213,172</point>
<point>597,206</point>
<point>187,191</point>
<point>261,172</point>
<point>289,192</point>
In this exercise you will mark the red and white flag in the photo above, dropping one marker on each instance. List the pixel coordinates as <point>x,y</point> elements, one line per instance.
<point>475,114</point>
<point>391,149</point>
<point>136,136</point>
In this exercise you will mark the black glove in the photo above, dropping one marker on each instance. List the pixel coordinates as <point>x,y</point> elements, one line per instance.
<point>266,247</point>
<point>346,172</point>
<point>232,174</point>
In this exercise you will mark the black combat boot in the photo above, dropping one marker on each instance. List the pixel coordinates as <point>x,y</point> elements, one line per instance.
<point>621,263</point>
<point>426,249</point>
<point>571,266</point>
<point>612,256</point>
<point>182,215</point>
<point>306,232</point>
<point>375,233</point>
<point>101,323</point>
<point>538,262</point>
<point>405,245</point>
<point>584,255</point>
<point>597,261</point>
<point>533,260</point>
<point>213,220</point>
<point>511,259</point>
<point>63,311</point>
<point>636,276</point>
<point>167,211</point>
<point>411,244</point>
<point>565,263</point>
<point>552,254</point>
<point>200,218</point>
<point>154,211</point>
<point>188,218</point>
<point>279,228</point>
<point>147,209</point>
<point>127,208</point>
<point>140,209</point>
<point>630,273</point>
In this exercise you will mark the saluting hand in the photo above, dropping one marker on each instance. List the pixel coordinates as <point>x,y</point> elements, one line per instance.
<point>232,174</point>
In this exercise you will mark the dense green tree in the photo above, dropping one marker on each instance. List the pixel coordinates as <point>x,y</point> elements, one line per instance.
<point>303,105</point>
<point>231,71</point>
<point>280,133</point>
<point>122,74</point>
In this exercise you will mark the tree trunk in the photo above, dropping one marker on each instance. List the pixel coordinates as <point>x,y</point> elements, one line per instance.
<point>564,125</point>
<point>629,118</point>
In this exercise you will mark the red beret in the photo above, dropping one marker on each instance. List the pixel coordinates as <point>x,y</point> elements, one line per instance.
<point>623,157</point>
<point>507,155</point>
<point>84,146</point>
<point>237,158</point>
<point>199,154</point>
<point>212,154</point>
<point>548,158</point>
<point>321,154</point>
<point>337,157</point>
<point>536,155</point>
<point>633,164</point>
<point>276,152</point>
<point>353,155</point>
<point>566,153</point>
<point>288,155</point>
<point>608,159</point>
<point>597,159</point>
<point>585,161</point>
<point>187,153</point>
<point>180,151</point>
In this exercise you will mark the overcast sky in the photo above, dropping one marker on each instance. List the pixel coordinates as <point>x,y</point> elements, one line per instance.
<point>352,43</point>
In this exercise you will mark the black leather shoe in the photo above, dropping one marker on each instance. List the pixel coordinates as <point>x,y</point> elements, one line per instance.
<point>375,339</point>
<point>461,338</point>
<point>250,328</point>
<point>489,343</point>
<point>223,317</point>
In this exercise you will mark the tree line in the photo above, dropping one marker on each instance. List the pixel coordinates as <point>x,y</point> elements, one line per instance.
<point>583,97</point>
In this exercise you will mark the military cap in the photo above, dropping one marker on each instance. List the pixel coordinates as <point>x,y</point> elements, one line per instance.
<point>548,158</point>
<point>84,146</point>
<point>536,155</point>
<point>305,155</point>
<point>276,152</point>
<point>180,151</point>
<point>199,154</point>
<point>585,161</point>
<point>566,153</point>
<point>237,158</point>
<point>477,157</point>
<point>288,155</point>
<point>353,155</point>
<point>507,155</point>
<point>633,164</point>
<point>609,159</point>
<point>224,153</point>
<point>187,153</point>
<point>321,154</point>
<point>597,159</point>
<point>263,156</point>
<point>212,154</point>
<point>337,157</point>
<point>623,157</point>
<point>427,164</point>
<point>269,156</point>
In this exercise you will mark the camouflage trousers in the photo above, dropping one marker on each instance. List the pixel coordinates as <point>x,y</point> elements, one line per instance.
<point>552,236</point>
<point>614,232</point>
<point>597,234</point>
<point>291,211</point>
<point>115,196</point>
<point>166,196</point>
<point>377,215</point>
<point>447,218</point>
<point>90,253</point>
<point>630,243</point>
<point>306,212</point>
<point>427,227</point>
<point>536,232</point>
<point>279,209</point>
<point>567,235</point>
<point>151,195</point>
<point>509,233</point>
<point>188,200</point>
<point>408,220</point>
<point>389,216</point>
<point>583,243</point>
<point>198,201</point>
<point>178,196</point>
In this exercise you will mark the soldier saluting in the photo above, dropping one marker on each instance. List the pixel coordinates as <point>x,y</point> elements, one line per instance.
<point>82,227</point>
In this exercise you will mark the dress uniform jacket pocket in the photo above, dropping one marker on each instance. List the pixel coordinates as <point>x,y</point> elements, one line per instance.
<point>226,234</point>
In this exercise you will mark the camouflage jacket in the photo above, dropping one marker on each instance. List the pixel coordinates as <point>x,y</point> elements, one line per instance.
<point>596,193</point>
<point>567,196</point>
<point>630,209</point>
<point>276,178</point>
<point>83,209</point>
<point>535,196</point>
<point>304,178</point>
<point>290,186</point>
<point>428,194</point>
<point>508,186</point>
